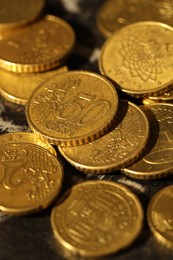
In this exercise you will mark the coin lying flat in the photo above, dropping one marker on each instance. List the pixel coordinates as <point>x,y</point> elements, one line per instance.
<point>160,216</point>
<point>97,218</point>
<point>16,12</point>
<point>115,149</point>
<point>22,137</point>
<point>37,47</point>
<point>114,14</point>
<point>72,108</point>
<point>30,178</point>
<point>157,162</point>
<point>139,58</point>
<point>18,87</point>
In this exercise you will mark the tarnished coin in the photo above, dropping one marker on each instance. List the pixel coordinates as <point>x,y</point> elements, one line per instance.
<point>72,108</point>
<point>30,178</point>
<point>16,12</point>
<point>97,218</point>
<point>22,137</point>
<point>37,47</point>
<point>18,87</point>
<point>139,58</point>
<point>157,162</point>
<point>160,216</point>
<point>120,147</point>
<point>114,14</point>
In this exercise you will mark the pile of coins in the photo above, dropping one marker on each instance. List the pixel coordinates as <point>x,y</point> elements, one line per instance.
<point>81,113</point>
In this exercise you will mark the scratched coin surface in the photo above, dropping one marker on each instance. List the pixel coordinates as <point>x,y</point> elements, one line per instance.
<point>22,137</point>
<point>120,147</point>
<point>160,216</point>
<point>97,218</point>
<point>139,58</point>
<point>114,14</point>
<point>18,87</point>
<point>16,12</point>
<point>30,178</point>
<point>157,162</point>
<point>72,108</point>
<point>37,47</point>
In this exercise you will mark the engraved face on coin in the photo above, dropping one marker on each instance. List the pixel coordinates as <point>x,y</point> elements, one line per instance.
<point>97,218</point>
<point>30,178</point>
<point>72,108</point>
<point>22,137</point>
<point>114,14</point>
<point>139,58</point>
<point>121,146</point>
<point>18,87</point>
<point>157,162</point>
<point>160,216</point>
<point>37,47</point>
<point>16,12</point>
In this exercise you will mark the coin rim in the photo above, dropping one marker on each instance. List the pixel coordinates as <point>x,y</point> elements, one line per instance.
<point>77,251</point>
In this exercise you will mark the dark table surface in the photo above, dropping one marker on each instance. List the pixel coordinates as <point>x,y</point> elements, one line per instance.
<point>31,237</point>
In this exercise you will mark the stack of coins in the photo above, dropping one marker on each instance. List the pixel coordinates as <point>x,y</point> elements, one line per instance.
<point>95,131</point>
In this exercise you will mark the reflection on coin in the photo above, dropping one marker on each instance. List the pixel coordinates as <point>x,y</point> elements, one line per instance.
<point>139,58</point>
<point>37,47</point>
<point>165,97</point>
<point>160,216</point>
<point>72,108</point>
<point>120,147</point>
<point>30,178</point>
<point>97,218</point>
<point>16,12</point>
<point>22,137</point>
<point>114,14</point>
<point>158,160</point>
<point>18,87</point>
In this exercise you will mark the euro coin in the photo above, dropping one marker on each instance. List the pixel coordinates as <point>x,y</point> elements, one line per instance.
<point>97,218</point>
<point>119,147</point>
<point>16,12</point>
<point>30,178</point>
<point>160,216</point>
<point>22,137</point>
<point>40,46</point>
<point>72,108</point>
<point>139,57</point>
<point>157,162</point>
<point>114,14</point>
<point>166,97</point>
<point>18,87</point>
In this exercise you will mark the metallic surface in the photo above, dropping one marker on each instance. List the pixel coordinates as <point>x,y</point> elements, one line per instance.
<point>139,58</point>
<point>116,149</point>
<point>74,219</point>
<point>30,178</point>
<point>72,108</point>
<point>157,162</point>
<point>114,14</point>
<point>160,216</point>
<point>18,87</point>
<point>40,46</point>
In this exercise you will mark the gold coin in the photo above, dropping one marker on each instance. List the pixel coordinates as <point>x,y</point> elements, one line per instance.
<point>30,178</point>
<point>22,137</point>
<point>114,14</point>
<point>72,108</point>
<point>117,148</point>
<point>18,87</point>
<point>16,12</point>
<point>160,216</point>
<point>139,58</point>
<point>165,97</point>
<point>158,160</point>
<point>97,218</point>
<point>37,47</point>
